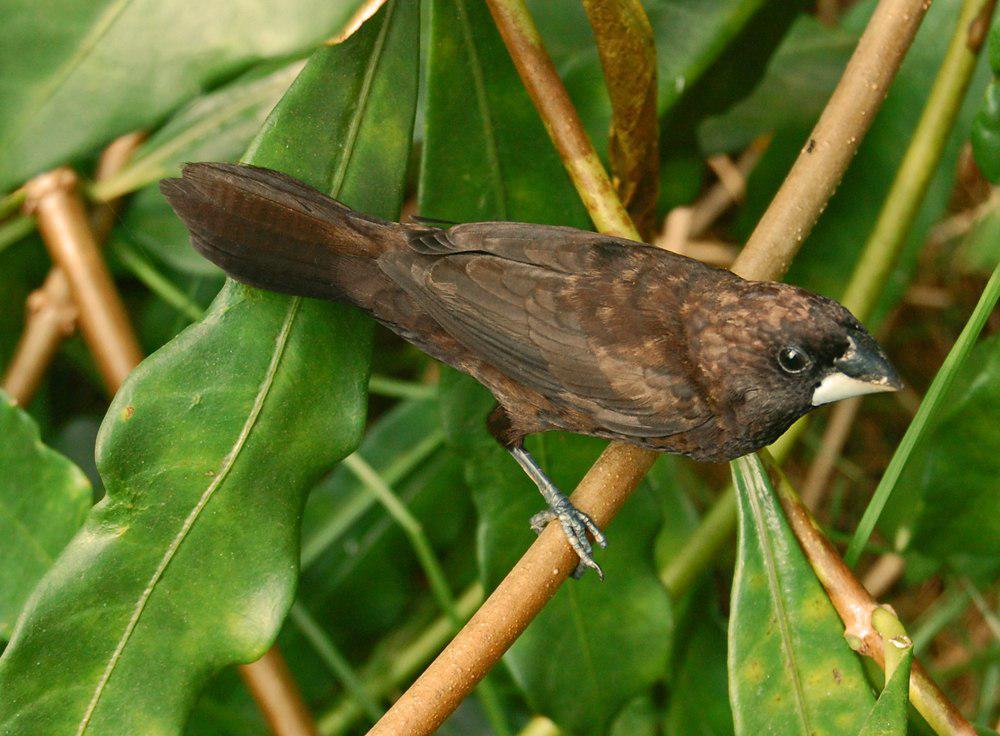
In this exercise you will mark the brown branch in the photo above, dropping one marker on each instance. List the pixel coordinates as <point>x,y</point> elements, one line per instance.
<point>855,606</point>
<point>561,119</point>
<point>273,688</point>
<point>53,198</point>
<point>833,142</point>
<point>51,312</point>
<point>607,485</point>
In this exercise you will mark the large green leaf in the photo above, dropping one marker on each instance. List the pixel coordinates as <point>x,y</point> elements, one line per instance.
<point>486,154</point>
<point>986,129</point>
<point>699,695</point>
<point>788,661</point>
<point>208,450</point>
<point>44,499</point>
<point>80,72</point>
<point>955,470</point>
<point>216,127</point>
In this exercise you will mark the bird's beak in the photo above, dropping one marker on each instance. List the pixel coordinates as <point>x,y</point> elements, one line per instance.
<point>863,369</point>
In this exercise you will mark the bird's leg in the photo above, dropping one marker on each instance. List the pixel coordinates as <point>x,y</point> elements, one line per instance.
<point>575,523</point>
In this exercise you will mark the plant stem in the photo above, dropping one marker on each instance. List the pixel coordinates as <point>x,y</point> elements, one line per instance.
<point>333,659</point>
<point>834,140</point>
<point>432,568</point>
<point>156,282</point>
<point>15,229</point>
<point>895,642</point>
<point>937,391</point>
<point>540,78</point>
<point>331,531</point>
<point>397,389</point>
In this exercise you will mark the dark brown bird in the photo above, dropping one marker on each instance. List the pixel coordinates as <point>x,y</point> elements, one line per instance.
<point>569,329</point>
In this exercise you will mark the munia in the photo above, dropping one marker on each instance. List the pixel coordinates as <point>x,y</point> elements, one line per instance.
<point>569,329</point>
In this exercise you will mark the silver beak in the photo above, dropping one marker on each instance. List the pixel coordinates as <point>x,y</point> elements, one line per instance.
<point>863,369</point>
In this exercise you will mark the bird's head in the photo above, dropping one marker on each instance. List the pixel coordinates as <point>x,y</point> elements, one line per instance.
<point>784,351</point>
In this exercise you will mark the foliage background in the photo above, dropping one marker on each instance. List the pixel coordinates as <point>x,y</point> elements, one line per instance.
<point>230,434</point>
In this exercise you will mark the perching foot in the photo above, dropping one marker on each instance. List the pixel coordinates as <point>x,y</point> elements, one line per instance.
<point>575,523</point>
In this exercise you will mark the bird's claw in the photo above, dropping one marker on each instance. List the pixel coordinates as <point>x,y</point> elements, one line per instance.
<point>576,525</point>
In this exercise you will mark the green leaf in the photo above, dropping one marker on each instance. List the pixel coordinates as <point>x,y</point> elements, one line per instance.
<point>888,715</point>
<point>956,469</point>
<point>788,661</point>
<point>798,82</point>
<point>44,499</point>
<point>76,78</point>
<point>486,154</point>
<point>216,127</point>
<point>638,718</point>
<point>699,695</point>
<point>595,645</point>
<point>209,448</point>
<point>986,128</point>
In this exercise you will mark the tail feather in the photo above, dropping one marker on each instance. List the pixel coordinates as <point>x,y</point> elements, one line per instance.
<point>271,231</point>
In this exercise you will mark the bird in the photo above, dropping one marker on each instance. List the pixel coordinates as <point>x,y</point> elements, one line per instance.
<point>569,329</point>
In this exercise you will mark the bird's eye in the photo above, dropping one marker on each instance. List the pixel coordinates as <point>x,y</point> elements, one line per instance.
<point>792,360</point>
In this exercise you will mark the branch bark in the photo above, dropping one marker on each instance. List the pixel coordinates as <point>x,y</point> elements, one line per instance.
<point>55,201</point>
<point>51,313</point>
<point>273,688</point>
<point>607,485</point>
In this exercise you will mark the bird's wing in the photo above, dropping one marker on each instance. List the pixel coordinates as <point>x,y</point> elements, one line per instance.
<point>565,313</point>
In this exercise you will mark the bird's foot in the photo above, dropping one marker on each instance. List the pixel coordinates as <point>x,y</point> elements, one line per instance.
<point>576,525</point>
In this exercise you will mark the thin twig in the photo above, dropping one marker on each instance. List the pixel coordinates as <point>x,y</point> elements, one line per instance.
<point>62,221</point>
<point>834,140</point>
<point>51,311</point>
<point>271,684</point>
<point>838,429</point>
<point>719,196</point>
<point>335,661</point>
<point>607,485</point>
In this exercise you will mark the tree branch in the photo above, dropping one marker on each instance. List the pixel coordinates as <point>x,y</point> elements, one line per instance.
<point>547,563</point>
<point>273,688</point>
<point>51,312</point>
<point>62,221</point>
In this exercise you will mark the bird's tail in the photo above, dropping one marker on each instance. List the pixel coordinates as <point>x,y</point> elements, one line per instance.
<point>272,231</point>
